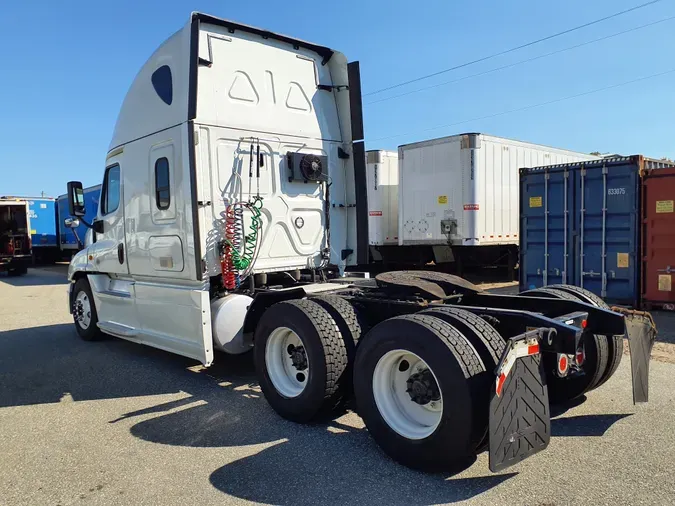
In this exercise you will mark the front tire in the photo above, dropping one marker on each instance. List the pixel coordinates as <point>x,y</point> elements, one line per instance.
<point>300,360</point>
<point>422,391</point>
<point>84,312</point>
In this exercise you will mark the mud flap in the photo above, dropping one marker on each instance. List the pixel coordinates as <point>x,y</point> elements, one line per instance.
<point>641,334</point>
<point>520,418</point>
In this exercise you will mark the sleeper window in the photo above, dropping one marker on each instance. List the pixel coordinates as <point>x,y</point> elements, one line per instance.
<point>111,190</point>
<point>162,184</point>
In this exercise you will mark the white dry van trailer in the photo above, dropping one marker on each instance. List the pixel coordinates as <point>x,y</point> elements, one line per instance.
<point>382,192</point>
<point>461,191</point>
<point>233,198</point>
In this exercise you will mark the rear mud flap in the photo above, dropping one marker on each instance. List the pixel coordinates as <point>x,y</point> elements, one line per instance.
<point>641,334</point>
<point>520,418</point>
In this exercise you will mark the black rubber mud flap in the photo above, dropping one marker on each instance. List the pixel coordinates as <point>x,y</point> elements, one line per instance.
<point>520,419</point>
<point>641,333</point>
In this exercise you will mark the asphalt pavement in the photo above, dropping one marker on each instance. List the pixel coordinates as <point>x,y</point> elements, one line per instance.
<point>113,422</point>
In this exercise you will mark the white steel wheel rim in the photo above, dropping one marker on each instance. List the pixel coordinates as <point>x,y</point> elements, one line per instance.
<point>83,310</point>
<point>408,418</point>
<point>285,376</point>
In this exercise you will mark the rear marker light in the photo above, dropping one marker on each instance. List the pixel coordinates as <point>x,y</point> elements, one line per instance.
<point>522,349</point>
<point>580,356</point>
<point>563,364</point>
<point>500,384</point>
<point>584,324</point>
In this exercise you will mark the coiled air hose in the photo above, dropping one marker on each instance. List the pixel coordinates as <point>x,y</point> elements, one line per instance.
<point>239,250</point>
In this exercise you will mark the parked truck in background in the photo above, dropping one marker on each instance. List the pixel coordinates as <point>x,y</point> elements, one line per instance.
<point>43,228</point>
<point>234,197</point>
<point>15,238</point>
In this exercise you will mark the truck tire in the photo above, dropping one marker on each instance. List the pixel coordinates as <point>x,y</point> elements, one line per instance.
<point>596,349</point>
<point>300,360</point>
<point>348,321</point>
<point>84,312</point>
<point>615,342</point>
<point>483,337</point>
<point>422,391</point>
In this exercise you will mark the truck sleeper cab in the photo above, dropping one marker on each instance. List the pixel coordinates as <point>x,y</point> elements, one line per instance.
<point>234,198</point>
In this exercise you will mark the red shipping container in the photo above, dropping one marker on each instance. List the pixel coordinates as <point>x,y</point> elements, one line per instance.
<point>658,238</point>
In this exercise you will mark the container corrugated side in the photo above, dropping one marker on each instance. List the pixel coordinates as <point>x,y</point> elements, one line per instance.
<point>658,238</point>
<point>382,180</point>
<point>580,225</point>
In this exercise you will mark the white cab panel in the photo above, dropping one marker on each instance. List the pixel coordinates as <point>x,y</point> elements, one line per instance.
<point>268,90</point>
<point>264,86</point>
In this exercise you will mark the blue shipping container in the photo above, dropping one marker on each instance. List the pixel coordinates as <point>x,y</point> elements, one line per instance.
<point>42,212</point>
<point>67,239</point>
<point>579,225</point>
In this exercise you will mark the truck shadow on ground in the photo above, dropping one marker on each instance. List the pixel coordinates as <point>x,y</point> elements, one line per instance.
<point>34,278</point>
<point>330,463</point>
<point>46,364</point>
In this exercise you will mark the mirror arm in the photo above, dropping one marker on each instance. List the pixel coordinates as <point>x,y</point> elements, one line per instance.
<point>88,225</point>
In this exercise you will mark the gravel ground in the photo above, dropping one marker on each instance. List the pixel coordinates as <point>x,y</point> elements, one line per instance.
<point>117,423</point>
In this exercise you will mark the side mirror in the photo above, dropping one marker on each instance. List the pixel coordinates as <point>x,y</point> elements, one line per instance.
<point>97,226</point>
<point>75,199</point>
<point>71,222</point>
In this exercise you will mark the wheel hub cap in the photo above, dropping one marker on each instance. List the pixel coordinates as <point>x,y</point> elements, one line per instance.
<point>82,310</point>
<point>422,388</point>
<point>298,357</point>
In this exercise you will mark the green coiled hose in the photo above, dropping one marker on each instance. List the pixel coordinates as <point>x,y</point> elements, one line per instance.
<point>241,260</point>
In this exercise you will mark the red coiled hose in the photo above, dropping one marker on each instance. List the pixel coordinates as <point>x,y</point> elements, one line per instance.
<point>231,240</point>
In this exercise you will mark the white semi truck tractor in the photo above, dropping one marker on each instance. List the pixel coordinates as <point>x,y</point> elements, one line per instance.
<point>233,200</point>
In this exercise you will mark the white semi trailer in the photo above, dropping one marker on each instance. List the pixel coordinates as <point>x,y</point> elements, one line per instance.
<point>458,197</point>
<point>233,199</point>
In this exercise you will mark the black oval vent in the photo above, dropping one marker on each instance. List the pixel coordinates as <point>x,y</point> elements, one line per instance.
<point>163,83</point>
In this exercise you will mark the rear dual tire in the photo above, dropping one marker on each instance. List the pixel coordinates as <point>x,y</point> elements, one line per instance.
<point>443,433</point>
<point>596,363</point>
<point>615,343</point>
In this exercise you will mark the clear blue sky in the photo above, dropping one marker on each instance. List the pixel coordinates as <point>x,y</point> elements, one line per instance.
<point>66,66</point>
